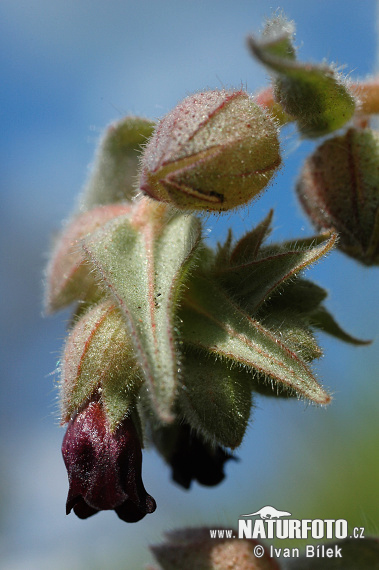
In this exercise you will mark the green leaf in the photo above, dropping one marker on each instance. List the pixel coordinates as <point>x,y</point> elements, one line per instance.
<point>213,321</point>
<point>115,170</point>
<point>98,355</point>
<point>265,386</point>
<point>69,278</point>
<point>255,281</point>
<point>247,248</point>
<point>321,318</point>
<point>299,296</point>
<point>298,243</point>
<point>293,331</point>
<point>215,398</point>
<point>143,261</point>
<point>223,251</point>
<point>313,94</point>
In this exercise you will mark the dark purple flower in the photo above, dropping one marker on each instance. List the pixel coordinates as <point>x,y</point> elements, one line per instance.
<point>104,467</point>
<point>193,458</point>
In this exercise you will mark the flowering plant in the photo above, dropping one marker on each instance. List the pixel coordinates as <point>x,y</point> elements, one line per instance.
<point>171,340</point>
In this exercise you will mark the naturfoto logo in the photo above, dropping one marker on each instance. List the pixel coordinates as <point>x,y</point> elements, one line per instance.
<point>271,525</point>
<point>269,513</point>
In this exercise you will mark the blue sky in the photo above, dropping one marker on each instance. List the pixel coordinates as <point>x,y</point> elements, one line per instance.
<point>68,69</point>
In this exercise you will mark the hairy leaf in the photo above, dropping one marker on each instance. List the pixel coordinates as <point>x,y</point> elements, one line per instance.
<point>215,398</point>
<point>255,281</point>
<point>248,246</point>
<point>313,94</point>
<point>143,261</point>
<point>69,277</point>
<point>212,321</point>
<point>114,175</point>
<point>98,355</point>
<point>294,332</point>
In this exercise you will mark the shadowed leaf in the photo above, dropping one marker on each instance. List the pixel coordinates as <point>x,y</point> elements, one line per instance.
<point>299,296</point>
<point>114,175</point>
<point>216,398</point>
<point>321,318</point>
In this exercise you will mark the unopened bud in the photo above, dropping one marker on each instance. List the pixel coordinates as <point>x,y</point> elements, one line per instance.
<point>215,151</point>
<point>338,188</point>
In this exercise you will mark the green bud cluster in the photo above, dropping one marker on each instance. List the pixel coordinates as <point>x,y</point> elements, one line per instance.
<point>242,324</point>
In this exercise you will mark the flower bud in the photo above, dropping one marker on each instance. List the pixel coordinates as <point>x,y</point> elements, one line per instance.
<point>215,151</point>
<point>338,188</point>
<point>104,466</point>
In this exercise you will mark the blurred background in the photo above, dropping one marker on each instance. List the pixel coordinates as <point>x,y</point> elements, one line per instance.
<point>67,70</point>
